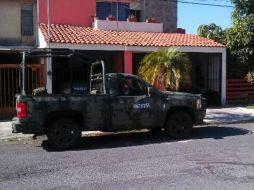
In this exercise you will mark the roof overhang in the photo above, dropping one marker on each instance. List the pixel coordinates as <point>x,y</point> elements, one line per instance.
<point>106,47</point>
<point>93,47</point>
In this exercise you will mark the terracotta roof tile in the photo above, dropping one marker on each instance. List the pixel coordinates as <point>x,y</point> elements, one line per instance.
<point>85,35</point>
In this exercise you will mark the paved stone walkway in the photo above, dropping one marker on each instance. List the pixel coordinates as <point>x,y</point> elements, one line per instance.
<point>213,116</point>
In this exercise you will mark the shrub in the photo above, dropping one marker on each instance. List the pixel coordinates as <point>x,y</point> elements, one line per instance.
<point>250,77</point>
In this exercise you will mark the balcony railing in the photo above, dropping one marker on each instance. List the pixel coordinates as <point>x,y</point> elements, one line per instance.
<point>127,26</point>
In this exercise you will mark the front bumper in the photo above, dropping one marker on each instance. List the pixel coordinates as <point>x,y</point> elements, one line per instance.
<point>25,127</point>
<point>199,117</point>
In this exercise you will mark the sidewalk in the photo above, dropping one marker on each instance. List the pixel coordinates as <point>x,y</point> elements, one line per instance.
<point>213,116</point>
<point>228,115</point>
<point>6,132</point>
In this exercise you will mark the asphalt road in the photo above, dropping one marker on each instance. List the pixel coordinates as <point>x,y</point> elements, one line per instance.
<point>217,157</point>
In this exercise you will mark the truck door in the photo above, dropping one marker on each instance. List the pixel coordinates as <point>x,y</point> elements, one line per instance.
<point>132,107</point>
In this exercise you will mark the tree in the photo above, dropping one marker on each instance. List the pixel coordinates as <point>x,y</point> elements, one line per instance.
<point>244,7</point>
<point>168,67</point>
<point>240,38</point>
<point>212,31</point>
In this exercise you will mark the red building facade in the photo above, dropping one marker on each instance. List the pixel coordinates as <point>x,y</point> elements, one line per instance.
<point>71,12</point>
<point>77,12</point>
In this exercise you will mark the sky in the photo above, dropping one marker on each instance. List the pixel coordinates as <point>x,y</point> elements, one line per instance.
<point>190,16</point>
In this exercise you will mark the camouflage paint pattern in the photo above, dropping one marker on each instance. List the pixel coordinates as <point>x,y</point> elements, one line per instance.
<point>110,111</point>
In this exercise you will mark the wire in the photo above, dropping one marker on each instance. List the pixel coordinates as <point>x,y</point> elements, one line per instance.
<point>196,3</point>
<point>205,4</point>
<point>222,1</point>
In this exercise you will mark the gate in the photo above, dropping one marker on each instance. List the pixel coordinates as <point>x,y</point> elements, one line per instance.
<point>239,91</point>
<point>9,85</point>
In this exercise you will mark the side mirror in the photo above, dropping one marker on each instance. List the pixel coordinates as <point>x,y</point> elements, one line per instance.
<point>113,92</point>
<point>149,88</point>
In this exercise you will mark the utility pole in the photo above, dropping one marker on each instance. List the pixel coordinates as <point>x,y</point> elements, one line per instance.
<point>117,14</point>
<point>144,1</point>
<point>48,18</point>
<point>48,59</point>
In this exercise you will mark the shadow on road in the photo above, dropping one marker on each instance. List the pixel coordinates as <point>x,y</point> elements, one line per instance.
<point>145,137</point>
<point>216,132</point>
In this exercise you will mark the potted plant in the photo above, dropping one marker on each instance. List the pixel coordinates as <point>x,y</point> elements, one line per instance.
<point>151,20</point>
<point>95,17</point>
<point>132,18</point>
<point>111,18</point>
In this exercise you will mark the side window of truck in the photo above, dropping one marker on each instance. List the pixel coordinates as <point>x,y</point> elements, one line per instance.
<point>131,87</point>
<point>111,86</point>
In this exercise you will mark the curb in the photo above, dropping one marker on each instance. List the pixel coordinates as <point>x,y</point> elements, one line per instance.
<point>19,137</point>
<point>227,122</point>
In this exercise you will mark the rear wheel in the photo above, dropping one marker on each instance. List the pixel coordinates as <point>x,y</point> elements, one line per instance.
<point>179,125</point>
<point>64,133</point>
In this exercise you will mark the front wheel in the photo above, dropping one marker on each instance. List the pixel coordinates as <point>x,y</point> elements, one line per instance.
<point>64,133</point>
<point>179,125</point>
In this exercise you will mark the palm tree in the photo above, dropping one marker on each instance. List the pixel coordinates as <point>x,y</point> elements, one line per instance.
<point>212,31</point>
<point>166,69</point>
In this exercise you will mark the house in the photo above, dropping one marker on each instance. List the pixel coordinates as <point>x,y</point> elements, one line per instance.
<point>18,31</point>
<point>123,43</point>
<point>86,26</point>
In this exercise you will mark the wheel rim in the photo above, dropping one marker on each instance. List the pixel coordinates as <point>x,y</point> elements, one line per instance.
<point>179,126</point>
<point>64,134</point>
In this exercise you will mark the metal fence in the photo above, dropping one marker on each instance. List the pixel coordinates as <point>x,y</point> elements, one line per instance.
<point>9,85</point>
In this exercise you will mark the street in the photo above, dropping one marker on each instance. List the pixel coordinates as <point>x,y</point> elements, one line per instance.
<point>216,157</point>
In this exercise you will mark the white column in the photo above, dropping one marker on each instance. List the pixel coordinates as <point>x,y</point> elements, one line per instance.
<point>223,77</point>
<point>49,75</point>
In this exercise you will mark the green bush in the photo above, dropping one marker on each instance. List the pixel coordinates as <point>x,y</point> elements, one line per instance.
<point>250,77</point>
<point>39,91</point>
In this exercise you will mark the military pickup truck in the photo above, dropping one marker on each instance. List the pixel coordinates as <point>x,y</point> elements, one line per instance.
<point>115,102</point>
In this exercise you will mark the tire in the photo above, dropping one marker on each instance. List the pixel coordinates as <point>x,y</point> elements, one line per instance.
<point>179,125</point>
<point>64,134</point>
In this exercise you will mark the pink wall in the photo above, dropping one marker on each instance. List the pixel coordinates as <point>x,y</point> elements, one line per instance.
<point>71,12</point>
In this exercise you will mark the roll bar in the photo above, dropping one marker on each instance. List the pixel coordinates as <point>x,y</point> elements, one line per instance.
<point>61,54</point>
<point>98,77</point>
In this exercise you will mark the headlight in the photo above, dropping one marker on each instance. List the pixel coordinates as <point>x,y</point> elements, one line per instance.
<point>198,104</point>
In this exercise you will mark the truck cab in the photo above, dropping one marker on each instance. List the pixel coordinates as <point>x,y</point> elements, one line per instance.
<point>137,104</point>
